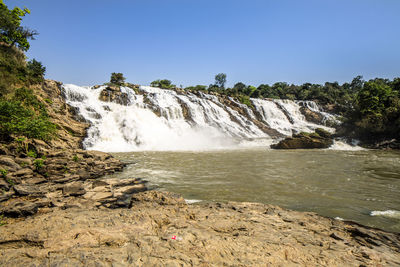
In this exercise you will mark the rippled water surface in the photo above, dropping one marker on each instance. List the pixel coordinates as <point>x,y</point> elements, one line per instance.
<point>362,186</point>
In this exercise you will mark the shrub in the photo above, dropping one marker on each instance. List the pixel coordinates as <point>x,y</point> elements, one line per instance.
<point>17,119</point>
<point>244,99</point>
<point>117,78</point>
<point>39,163</point>
<point>196,88</point>
<point>36,70</point>
<point>32,154</point>
<point>3,173</point>
<point>164,84</point>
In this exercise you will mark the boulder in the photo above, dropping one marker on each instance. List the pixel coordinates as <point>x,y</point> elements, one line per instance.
<point>312,116</point>
<point>319,139</point>
<point>28,189</point>
<point>20,209</point>
<point>74,189</point>
<point>114,94</point>
<point>9,163</point>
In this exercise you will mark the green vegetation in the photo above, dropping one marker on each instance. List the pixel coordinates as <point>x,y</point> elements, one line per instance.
<point>2,222</point>
<point>202,88</point>
<point>12,33</point>
<point>117,78</point>
<point>10,182</point>
<point>244,99</point>
<point>375,114</point>
<point>75,158</point>
<point>164,84</point>
<point>39,164</point>
<point>21,112</point>
<point>25,115</point>
<point>36,71</point>
<point>220,80</point>
<point>3,173</point>
<point>32,154</point>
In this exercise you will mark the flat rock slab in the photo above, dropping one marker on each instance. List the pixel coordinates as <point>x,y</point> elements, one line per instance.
<point>161,230</point>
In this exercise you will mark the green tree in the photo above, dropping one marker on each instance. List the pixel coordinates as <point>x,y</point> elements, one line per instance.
<point>11,31</point>
<point>36,69</point>
<point>164,84</point>
<point>220,80</point>
<point>117,78</point>
<point>373,97</point>
<point>196,88</point>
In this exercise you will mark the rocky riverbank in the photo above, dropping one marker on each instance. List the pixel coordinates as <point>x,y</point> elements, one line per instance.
<point>37,176</point>
<point>160,229</point>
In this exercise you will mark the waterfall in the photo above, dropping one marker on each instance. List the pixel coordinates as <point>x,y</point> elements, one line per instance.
<point>159,119</point>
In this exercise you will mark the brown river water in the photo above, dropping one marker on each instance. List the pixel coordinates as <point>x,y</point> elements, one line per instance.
<point>362,186</point>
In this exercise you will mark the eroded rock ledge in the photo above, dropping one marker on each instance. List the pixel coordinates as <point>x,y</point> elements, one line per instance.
<point>208,234</point>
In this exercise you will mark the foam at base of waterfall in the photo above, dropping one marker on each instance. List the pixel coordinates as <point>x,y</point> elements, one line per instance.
<point>341,145</point>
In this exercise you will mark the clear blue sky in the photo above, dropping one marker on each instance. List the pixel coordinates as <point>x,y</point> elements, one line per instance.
<point>189,41</point>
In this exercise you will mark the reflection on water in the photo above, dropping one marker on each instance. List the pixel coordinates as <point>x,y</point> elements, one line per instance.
<point>346,184</point>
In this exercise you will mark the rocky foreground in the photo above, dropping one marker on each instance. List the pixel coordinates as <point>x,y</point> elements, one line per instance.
<point>162,230</point>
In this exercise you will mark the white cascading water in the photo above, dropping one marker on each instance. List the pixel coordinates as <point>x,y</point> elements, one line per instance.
<point>211,124</point>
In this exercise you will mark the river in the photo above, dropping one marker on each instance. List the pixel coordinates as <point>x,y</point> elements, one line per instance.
<point>362,186</point>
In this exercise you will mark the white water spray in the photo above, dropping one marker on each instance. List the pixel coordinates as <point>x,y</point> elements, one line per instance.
<point>159,119</point>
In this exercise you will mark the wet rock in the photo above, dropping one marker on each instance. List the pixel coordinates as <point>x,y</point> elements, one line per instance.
<point>114,94</point>
<point>387,144</point>
<point>319,139</point>
<point>312,116</point>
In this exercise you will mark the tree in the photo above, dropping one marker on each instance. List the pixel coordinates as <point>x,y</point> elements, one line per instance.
<point>373,97</point>
<point>164,84</point>
<point>11,31</point>
<point>36,69</point>
<point>197,88</point>
<point>220,80</point>
<point>117,78</point>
